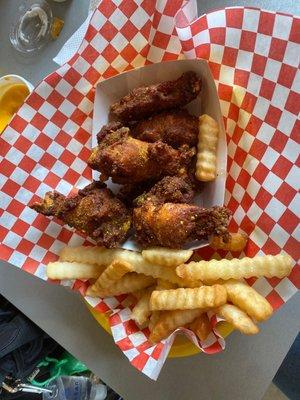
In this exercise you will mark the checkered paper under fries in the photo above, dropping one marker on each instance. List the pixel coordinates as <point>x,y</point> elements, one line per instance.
<point>254,58</point>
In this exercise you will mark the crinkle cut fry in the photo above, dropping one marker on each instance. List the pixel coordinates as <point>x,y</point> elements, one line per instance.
<point>248,300</point>
<point>141,311</point>
<point>73,270</point>
<point>188,298</point>
<point>112,273</point>
<point>206,165</point>
<point>238,318</point>
<point>236,242</point>
<point>166,257</point>
<point>201,326</point>
<point>161,285</point>
<point>102,256</point>
<point>127,284</point>
<point>268,266</point>
<point>170,320</point>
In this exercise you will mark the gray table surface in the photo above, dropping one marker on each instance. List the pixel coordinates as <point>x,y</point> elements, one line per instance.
<point>242,372</point>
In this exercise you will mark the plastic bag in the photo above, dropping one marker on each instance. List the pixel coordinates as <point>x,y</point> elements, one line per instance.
<point>75,388</point>
<point>67,365</point>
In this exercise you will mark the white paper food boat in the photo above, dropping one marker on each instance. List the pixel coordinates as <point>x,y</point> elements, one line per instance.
<point>111,90</point>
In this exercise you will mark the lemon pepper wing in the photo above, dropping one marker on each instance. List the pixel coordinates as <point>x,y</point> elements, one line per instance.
<point>173,225</point>
<point>94,211</point>
<point>130,160</point>
<point>176,128</point>
<point>145,101</point>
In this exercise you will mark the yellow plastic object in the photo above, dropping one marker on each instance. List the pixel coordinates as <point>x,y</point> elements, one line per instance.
<point>11,98</point>
<point>182,347</point>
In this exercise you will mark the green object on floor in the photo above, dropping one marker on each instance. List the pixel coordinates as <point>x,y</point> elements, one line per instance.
<point>67,365</point>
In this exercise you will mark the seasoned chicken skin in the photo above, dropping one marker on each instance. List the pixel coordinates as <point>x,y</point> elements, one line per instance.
<point>94,211</point>
<point>163,217</point>
<point>129,192</point>
<point>143,102</point>
<point>171,189</point>
<point>173,225</point>
<point>175,128</point>
<point>129,160</point>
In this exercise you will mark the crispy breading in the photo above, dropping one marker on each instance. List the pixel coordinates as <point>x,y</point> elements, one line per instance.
<point>111,133</point>
<point>131,191</point>
<point>143,102</point>
<point>130,160</point>
<point>175,127</point>
<point>94,210</point>
<point>173,189</point>
<point>172,225</point>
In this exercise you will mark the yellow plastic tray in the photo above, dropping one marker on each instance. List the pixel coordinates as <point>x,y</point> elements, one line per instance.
<point>182,347</point>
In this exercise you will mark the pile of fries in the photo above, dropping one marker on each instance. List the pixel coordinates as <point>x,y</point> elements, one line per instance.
<point>169,292</point>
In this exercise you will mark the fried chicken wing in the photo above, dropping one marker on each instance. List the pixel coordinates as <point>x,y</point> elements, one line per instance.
<point>176,128</point>
<point>111,133</point>
<point>173,225</point>
<point>94,210</point>
<point>198,186</point>
<point>131,191</point>
<point>129,160</point>
<point>163,217</point>
<point>171,189</point>
<point>143,102</point>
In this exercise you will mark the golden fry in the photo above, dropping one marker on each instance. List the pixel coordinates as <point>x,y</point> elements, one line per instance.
<point>161,285</point>
<point>121,271</point>
<point>166,257</point>
<point>248,300</point>
<point>164,285</point>
<point>236,242</point>
<point>144,267</point>
<point>127,284</point>
<point>154,317</point>
<point>268,266</point>
<point>201,326</point>
<point>238,318</point>
<point>206,165</point>
<point>99,255</point>
<point>188,298</point>
<point>141,312</point>
<point>112,273</point>
<point>129,301</point>
<point>191,284</point>
<point>138,293</point>
<point>170,320</point>
<point>90,254</point>
<point>73,270</point>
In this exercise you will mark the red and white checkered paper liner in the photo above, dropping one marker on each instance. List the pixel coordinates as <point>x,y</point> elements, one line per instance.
<point>254,56</point>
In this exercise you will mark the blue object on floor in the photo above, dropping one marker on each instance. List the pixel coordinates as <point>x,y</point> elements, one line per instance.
<point>287,378</point>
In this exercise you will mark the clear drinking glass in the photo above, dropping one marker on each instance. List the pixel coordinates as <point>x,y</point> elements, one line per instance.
<point>31,28</point>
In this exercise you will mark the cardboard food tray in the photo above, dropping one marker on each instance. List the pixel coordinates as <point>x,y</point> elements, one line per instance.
<point>113,89</point>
